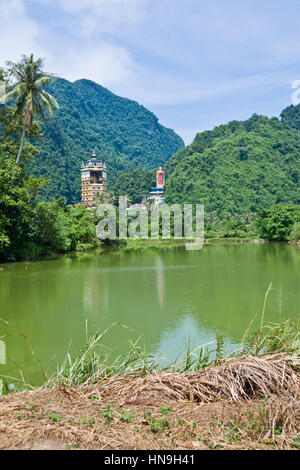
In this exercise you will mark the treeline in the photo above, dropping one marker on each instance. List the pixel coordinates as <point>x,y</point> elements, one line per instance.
<point>30,230</point>
<point>278,223</point>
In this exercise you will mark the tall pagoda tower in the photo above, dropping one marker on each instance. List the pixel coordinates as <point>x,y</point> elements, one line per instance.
<point>93,180</point>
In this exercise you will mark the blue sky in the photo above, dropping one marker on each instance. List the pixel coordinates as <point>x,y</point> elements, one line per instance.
<point>194,63</point>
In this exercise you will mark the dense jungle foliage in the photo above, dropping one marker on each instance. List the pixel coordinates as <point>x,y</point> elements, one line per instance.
<point>135,184</point>
<point>29,229</point>
<point>239,168</point>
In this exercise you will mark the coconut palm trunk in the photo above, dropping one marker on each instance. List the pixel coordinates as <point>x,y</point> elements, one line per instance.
<point>21,144</point>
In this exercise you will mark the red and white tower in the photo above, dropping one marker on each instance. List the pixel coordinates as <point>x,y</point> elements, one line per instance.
<point>157,194</point>
<point>160,178</point>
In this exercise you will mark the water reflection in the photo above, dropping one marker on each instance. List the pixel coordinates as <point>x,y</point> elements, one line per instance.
<point>160,280</point>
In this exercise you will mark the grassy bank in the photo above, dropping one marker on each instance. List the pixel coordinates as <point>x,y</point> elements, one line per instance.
<point>246,400</point>
<point>138,244</point>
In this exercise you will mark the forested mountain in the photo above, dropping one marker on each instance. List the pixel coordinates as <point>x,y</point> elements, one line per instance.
<point>123,133</point>
<point>241,167</point>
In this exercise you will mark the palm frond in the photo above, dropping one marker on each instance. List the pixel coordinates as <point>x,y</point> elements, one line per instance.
<point>44,103</point>
<point>15,93</point>
<point>43,80</point>
<point>15,71</point>
<point>50,98</point>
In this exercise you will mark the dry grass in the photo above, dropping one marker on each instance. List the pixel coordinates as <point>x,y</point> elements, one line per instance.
<point>247,403</point>
<point>236,380</point>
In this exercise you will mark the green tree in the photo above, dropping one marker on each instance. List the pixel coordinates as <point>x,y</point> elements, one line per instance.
<point>14,209</point>
<point>277,222</point>
<point>107,197</point>
<point>135,184</point>
<point>295,234</point>
<point>28,89</point>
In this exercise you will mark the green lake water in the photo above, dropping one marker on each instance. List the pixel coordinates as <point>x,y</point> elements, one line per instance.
<point>164,295</point>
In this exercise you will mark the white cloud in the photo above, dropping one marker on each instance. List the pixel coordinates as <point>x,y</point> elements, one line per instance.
<point>155,89</point>
<point>161,52</point>
<point>97,60</point>
<point>97,57</point>
<point>104,16</point>
<point>105,64</point>
<point>18,34</point>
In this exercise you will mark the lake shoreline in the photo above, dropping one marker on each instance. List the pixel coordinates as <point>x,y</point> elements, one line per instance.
<point>135,244</point>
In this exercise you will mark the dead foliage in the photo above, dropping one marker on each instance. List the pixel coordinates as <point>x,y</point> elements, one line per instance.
<point>237,380</point>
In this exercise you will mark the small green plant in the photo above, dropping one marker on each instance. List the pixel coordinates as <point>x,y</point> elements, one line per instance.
<point>181,422</point>
<point>296,443</point>
<point>88,421</point>
<point>233,432</point>
<point>166,410</point>
<point>215,446</point>
<point>94,398</point>
<point>73,445</point>
<point>108,414</point>
<point>278,430</point>
<point>157,425</point>
<point>124,416</point>
<point>218,421</point>
<point>220,351</point>
<point>54,417</point>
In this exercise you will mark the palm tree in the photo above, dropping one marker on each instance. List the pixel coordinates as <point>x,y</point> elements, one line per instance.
<point>32,99</point>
